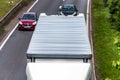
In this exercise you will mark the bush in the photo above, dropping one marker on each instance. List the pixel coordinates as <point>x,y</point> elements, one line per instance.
<point>114,10</point>
<point>105,50</point>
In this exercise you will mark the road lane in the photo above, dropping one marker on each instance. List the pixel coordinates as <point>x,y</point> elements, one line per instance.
<point>82,6</point>
<point>49,7</point>
<point>13,54</point>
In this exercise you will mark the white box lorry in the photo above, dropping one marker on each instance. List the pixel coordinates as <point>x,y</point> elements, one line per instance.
<point>58,48</point>
<point>60,37</point>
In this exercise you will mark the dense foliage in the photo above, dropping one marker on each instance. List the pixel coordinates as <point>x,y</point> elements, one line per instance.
<point>106,42</point>
<point>115,13</point>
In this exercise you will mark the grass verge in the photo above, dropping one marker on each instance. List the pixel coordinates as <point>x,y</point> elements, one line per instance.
<point>105,50</point>
<point>6,5</point>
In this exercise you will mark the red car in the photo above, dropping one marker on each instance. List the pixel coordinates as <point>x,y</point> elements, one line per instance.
<point>28,21</point>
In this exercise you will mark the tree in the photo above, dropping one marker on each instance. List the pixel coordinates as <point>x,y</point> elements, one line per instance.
<point>115,13</point>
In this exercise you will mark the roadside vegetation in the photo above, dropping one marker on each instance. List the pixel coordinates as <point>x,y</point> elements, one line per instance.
<point>106,36</point>
<point>6,5</point>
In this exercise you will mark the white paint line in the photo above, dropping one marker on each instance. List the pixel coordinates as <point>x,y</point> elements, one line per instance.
<point>9,34</point>
<point>87,20</point>
<point>8,37</point>
<point>90,27</point>
<point>32,5</point>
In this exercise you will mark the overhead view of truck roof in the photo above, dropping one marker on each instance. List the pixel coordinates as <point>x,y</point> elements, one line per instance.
<point>60,37</point>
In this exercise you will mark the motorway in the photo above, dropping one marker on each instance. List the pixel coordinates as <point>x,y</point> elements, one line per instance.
<point>13,54</point>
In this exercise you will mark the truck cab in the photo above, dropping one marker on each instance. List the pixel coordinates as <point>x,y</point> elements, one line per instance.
<point>58,70</point>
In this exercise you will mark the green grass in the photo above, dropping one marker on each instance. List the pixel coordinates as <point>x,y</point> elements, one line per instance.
<point>105,50</point>
<point>5,6</point>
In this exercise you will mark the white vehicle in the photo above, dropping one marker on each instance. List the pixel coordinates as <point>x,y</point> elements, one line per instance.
<point>59,70</point>
<point>58,48</point>
<point>62,37</point>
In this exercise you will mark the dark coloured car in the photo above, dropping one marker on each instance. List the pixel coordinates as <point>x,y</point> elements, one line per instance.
<point>28,21</point>
<point>68,9</point>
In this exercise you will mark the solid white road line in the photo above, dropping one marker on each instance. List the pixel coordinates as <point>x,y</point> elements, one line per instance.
<point>90,27</point>
<point>9,34</point>
<point>87,20</point>
<point>32,5</point>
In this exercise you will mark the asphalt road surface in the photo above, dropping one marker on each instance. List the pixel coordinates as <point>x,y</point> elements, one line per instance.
<point>13,54</point>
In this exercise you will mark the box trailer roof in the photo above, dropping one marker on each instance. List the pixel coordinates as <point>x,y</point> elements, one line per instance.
<point>58,71</point>
<point>60,37</point>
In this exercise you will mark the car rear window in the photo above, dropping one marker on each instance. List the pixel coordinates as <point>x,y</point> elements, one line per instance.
<point>68,8</point>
